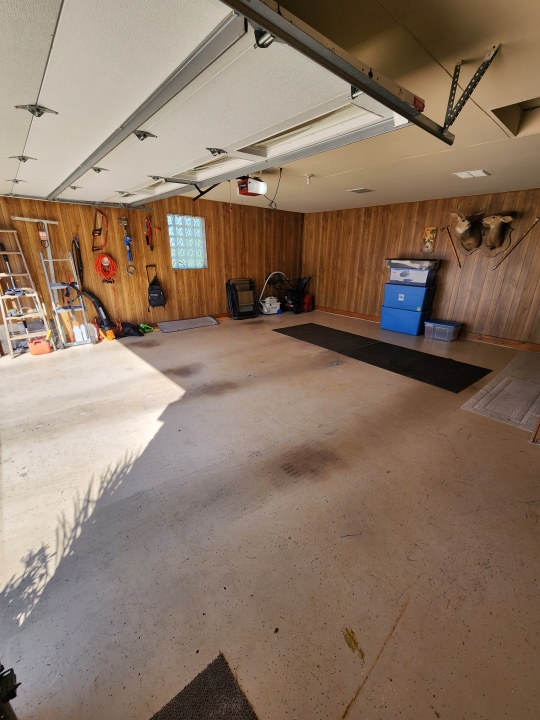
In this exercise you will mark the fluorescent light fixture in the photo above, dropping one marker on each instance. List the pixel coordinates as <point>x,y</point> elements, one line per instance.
<point>208,169</point>
<point>338,122</point>
<point>471,173</point>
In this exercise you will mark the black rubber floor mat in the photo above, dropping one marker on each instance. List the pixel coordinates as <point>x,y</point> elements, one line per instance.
<point>326,337</point>
<point>441,372</point>
<point>213,695</point>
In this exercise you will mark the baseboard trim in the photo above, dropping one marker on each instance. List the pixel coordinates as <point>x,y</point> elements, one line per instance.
<point>506,342</point>
<point>347,313</point>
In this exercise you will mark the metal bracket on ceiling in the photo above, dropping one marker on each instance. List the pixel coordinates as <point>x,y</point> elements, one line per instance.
<point>143,134</point>
<point>180,181</point>
<point>452,111</point>
<point>203,192</point>
<point>216,152</point>
<point>36,110</point>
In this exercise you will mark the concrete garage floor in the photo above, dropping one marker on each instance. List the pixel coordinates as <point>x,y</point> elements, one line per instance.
<point>340,533</point>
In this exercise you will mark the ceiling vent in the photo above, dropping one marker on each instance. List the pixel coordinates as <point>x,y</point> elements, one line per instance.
<point>360,191</point>
<point>471,174</point>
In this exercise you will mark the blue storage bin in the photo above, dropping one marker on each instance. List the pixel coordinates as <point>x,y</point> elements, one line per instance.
<point>409,322</point>
<point>408,297</point>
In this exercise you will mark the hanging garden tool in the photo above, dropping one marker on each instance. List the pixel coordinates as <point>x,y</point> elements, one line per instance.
<point>99,231</point>
<point>128,242</point>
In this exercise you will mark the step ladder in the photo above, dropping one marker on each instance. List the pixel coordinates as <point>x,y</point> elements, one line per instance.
<point>66,300</point>
<point>23,312</point>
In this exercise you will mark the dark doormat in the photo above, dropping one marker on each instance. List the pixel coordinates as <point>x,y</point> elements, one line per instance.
<point>213,695</point>
<point>175,325</point>
<point>441,372</point>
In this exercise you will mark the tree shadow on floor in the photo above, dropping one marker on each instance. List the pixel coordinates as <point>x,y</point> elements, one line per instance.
<point>22,592</point>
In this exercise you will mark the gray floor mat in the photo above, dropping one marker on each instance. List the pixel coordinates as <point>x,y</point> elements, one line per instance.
<point>513,397</point>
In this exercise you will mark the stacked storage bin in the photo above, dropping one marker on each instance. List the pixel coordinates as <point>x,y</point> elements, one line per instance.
<point>408,297</point>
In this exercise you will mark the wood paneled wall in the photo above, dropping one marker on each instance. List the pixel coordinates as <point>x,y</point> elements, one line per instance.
<point>344,251</point>
<point>242,241</point>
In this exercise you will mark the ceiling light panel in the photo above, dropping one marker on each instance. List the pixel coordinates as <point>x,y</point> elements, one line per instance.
<point>340,122</point>
<point>103,65</point>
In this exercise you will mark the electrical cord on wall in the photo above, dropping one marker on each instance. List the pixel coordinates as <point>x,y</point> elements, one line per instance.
<point>272,203</point>
<point>105,267</point>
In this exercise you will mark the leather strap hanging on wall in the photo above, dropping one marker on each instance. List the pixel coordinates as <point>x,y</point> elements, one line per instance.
<point>100,230</point>
<point>149,228</point>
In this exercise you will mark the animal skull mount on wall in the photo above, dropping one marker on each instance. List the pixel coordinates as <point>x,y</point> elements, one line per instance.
<point>496,233</point>
<point>468,231</point>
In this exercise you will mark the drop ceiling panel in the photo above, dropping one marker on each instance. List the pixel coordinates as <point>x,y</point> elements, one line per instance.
<point>106,60</point>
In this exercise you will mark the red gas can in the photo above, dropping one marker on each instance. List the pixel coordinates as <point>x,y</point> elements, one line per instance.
<point>39,346</point>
